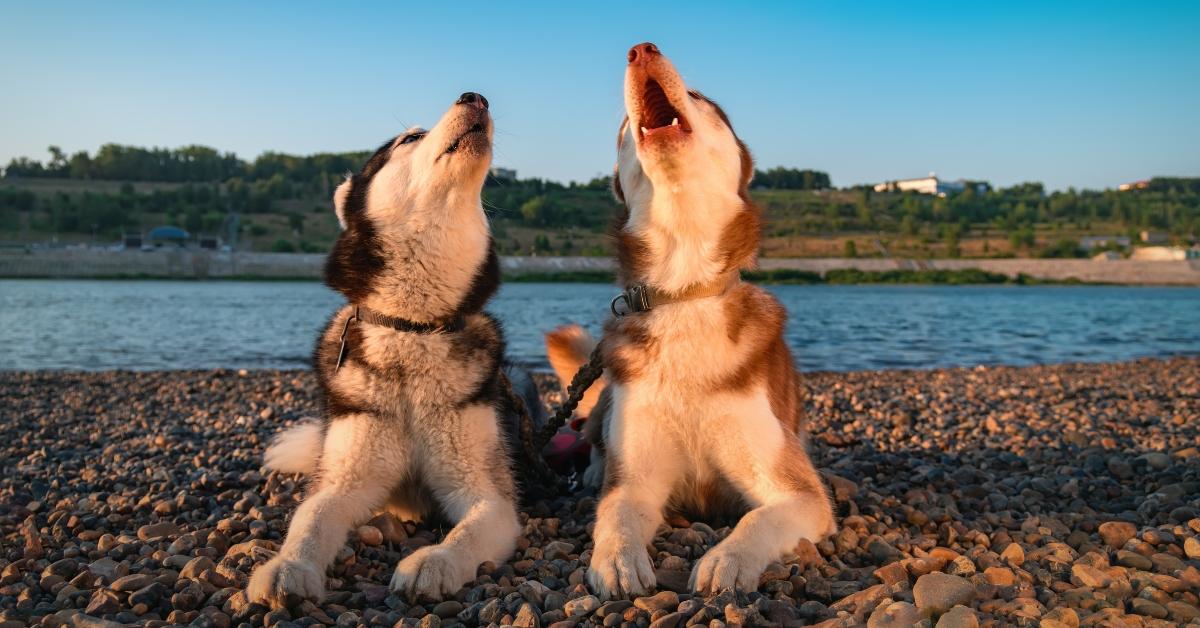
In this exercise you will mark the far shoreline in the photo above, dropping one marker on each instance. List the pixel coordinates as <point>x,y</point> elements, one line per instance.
<point>202,264</point>
<point>847,277</point>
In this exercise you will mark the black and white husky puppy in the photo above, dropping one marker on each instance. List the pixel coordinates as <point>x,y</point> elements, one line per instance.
<point>416,419</point>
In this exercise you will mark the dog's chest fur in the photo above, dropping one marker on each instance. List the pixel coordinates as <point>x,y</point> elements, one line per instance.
<point>694,375</point>
<point>672,349</point>
<point>685,350</point>
<point>405,376</point>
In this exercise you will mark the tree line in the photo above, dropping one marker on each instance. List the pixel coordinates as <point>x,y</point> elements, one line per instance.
<point>212,184</point>
<point>194,164</point>
<point>202,164</point>
<point>195,207</point>
<point>1170,205</point>
<point>781,178</point>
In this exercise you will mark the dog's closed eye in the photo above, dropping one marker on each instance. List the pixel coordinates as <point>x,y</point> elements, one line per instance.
<point>408,139</point>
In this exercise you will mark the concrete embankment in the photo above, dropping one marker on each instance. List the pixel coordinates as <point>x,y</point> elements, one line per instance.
<point>1133,272</point>
<point>195,264</point>
<point>158,264</point>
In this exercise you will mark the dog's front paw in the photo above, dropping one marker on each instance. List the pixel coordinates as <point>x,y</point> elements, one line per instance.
<point>432,572</point>
<point>727,566</point>
<point>624,572</point>
<point>282,582</point>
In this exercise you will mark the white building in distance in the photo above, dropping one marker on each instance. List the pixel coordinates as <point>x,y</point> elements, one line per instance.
<point>1136,185</point>
<point>504,174</point>
<point>1163,253</point>
<point>928,185</point>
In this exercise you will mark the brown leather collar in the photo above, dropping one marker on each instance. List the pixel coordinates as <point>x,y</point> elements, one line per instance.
<point>643,298</point>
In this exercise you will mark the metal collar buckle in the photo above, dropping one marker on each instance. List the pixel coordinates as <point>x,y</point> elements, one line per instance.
<point>345,328</point>
<point>636,298</point>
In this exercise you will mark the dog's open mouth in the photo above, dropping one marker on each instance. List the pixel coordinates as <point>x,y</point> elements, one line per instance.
<point>659,117</point>
<point>470,135</point>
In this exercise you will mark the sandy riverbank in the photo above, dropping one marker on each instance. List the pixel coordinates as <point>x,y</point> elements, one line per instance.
<point>1060,494</point>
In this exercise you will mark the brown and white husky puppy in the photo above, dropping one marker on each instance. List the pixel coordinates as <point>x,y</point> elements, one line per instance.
<point>415,418</point>
<point>701,411</point>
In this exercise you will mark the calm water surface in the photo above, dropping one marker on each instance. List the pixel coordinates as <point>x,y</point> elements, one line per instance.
<point>95,325</point>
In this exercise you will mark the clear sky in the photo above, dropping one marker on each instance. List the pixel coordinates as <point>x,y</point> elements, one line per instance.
<point>1085,94</point>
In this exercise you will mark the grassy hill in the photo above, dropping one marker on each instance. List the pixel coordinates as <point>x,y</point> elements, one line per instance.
<point>800,223</point>
<point>281,202</point>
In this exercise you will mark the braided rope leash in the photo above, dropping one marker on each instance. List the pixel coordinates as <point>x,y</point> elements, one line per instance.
<point>583,380</point>
<point>534,442</point>
<point>537,469</point>
<point>637,298</point>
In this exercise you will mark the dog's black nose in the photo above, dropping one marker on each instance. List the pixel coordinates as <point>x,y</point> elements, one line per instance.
<point>643,52</point>
<point>471,98</point>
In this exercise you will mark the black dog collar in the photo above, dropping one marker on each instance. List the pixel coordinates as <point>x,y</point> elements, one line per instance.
<point>367,315</point>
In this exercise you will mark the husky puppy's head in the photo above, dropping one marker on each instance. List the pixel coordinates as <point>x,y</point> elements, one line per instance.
<point>415,240</point>
<point>683,174</point>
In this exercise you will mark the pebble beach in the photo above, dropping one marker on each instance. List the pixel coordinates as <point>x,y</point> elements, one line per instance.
<point>1054,496</point>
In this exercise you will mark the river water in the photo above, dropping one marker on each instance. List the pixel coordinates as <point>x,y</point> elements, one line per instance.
<point>94,325</point>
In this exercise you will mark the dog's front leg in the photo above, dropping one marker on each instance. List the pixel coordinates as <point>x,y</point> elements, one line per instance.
<point>641,469</point>
<point>776,475</point>
<point>468,472</point>
<point>353,482</point>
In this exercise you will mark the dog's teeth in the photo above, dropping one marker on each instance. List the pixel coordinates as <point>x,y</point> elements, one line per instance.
<point>674,121</point>
<point>645,130</point>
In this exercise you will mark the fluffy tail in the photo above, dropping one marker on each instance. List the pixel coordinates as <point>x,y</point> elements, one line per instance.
<point>568,348</point>
<point>296,449</point>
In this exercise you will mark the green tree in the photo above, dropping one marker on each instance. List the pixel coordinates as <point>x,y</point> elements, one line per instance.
<point>212,221</point>
<point>193,220</point>
<point>59,164</point>
<point>849,249</point>
<point>538,211</point>
<point>81,166</point>
<point>1063,248</point>
<point>863,210</point>
<point>1022,238</point>
<point>952,244</point>
<point>296,222</point>
<point>780,178</point>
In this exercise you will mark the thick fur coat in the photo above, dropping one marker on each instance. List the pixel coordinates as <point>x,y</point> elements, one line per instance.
<point>415,423</point>
<point>701,410</point>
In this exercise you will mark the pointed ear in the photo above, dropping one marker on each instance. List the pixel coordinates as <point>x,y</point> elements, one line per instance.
<point>747,164</point>
<point>339,201</point>
<point>616,180</point>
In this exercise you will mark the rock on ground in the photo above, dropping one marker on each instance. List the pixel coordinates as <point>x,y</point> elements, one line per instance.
<point>1053,495</point>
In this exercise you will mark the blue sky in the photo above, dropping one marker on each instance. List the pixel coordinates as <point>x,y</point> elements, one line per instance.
<point>1072,94</point>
